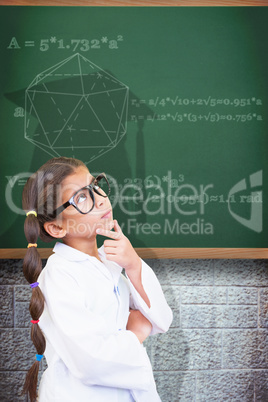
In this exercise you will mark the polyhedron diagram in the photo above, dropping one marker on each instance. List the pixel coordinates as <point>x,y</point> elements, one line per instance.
<point>76,109</point>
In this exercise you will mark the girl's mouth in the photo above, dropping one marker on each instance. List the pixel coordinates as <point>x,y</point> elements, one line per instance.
<point>107,215</point>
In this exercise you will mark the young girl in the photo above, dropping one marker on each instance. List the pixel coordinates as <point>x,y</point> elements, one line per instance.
<point>88,319</point>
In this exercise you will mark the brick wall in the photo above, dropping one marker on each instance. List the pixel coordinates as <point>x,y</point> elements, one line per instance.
<point>216,349</point>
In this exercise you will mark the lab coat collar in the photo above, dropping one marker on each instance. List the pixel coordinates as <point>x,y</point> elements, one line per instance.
<point>70,253</point>
<point>108,268</point>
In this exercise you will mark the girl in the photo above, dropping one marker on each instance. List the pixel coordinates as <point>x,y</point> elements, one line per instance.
<point>89,319</point>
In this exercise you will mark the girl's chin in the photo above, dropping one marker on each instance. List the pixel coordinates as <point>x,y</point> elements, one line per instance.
<point>106,224</point>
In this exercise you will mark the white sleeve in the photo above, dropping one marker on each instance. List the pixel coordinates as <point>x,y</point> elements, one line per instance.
<point>82,340</point>
<point>159,314</point>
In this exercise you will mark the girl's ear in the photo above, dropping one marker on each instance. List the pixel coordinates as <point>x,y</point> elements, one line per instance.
<point>54,230</point>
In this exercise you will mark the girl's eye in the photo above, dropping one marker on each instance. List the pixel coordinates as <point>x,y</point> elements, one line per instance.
<point>81,197</point>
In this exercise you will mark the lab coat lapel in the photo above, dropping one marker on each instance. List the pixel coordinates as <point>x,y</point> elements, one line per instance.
<point>112,267</point>
<point>108,268</point>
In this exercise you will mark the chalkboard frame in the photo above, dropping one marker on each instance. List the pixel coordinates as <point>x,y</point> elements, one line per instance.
<point>159,253</point>
<point>131,3</point>
<point>168,253</point>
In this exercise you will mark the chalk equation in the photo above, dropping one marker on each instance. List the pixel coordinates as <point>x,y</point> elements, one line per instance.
<point>207,102</point>
<point>74,45</point>
<point>189,109</point>
<point>194,118</point>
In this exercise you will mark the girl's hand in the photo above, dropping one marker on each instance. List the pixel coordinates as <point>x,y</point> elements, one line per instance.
<point>119,249</point>
<point>139,325</point>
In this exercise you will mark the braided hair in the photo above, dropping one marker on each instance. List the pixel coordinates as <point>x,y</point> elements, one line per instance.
<point>39,198</point>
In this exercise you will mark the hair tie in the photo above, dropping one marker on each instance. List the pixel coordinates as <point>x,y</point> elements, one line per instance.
<point>32,213</point>
<point>38,357</point>
<point>32,245</point>
<point>33,285</point>
<point>34,321</point>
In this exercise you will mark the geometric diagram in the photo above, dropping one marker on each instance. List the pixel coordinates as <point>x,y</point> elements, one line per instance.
<point>76,109</point>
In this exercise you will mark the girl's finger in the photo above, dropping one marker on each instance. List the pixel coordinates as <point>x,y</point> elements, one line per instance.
<point>110,243</point>
<point>117,228</point>
<point>110,250</point>
<point>109,233</point>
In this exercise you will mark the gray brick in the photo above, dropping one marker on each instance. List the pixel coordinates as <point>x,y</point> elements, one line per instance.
<point>22,315</point>
<point>11,386</point>
<point>187,350</point>
<point>22,301</point>
<point>261,385</point>
<point>203,294</point>
<point>160,269</point>
<point>228,386</point>
<point>190,272</point>
<point>241,273</point>
<point>240,295</point>
<point>175,387</point>
<point>6,306</point>
<point>172,295</point>
<point>219,316</point>
<point>264,308</point>
<point>23,293</point>
<point>176,323</point>
<point>245,348</point>
<point>17,350</point>
<point>11,272</point>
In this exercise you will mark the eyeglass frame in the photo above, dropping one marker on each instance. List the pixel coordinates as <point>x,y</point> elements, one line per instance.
<point>92,188</point>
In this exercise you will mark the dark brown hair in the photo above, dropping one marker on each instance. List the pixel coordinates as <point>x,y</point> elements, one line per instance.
<point>40,194</point>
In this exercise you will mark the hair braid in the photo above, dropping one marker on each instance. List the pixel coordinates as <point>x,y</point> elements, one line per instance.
<point>32,266</point>
<point>40,195</point>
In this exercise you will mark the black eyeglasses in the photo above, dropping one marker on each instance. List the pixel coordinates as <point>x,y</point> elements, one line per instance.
<point>84,200</point>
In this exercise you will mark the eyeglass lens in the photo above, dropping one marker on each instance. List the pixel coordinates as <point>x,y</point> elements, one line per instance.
<point>84,198</point>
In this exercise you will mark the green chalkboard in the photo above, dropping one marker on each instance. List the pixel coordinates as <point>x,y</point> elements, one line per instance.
<point>170,102</point>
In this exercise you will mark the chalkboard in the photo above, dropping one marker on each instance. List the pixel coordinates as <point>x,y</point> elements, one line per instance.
<point>170,102</point>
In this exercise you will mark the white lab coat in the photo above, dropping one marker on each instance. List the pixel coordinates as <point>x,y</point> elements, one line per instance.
<point>90,354</point>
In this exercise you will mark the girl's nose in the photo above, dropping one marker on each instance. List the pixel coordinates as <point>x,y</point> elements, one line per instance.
<point>99,200</point>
